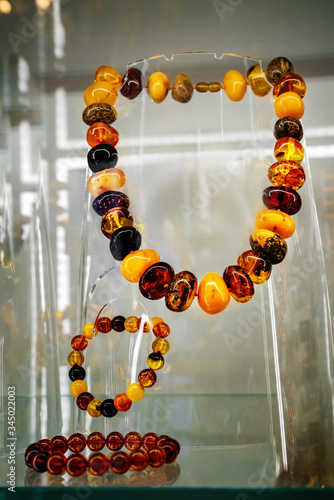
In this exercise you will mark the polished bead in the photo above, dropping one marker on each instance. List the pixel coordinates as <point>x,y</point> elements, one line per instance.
<point>272,245</point>
<point>96,441</point>
<point>77,442</point>
<point>108,409</point>
<point>75,358</point>
<point>114,219</point>
<point>110,75</point>
<point>147,378</point>
<point>108,200</point>
<point>150,439</point>
<point>278,68</point>
<point>161,329</point>
<point>98,464</point>
<point>88,330</point>
<point>182,89</point>
<point>101,133</point>
<point>102,157</point>
<point>157,456</point>
<point>79,343</point>
<point>255,265</point>
<point>103,324</point>
<point>289,104</point>
<point>158,86</point>
<point>135,263</point>
<point>100,92</point>
<point>45,444</point>
<point>122,402</point>
<point>288,149</point>
<point>30,454</point>
<point>94,408</point>
<point>146,327</point>
<point>171,451</point>
<point>77,373</point>
<point>139,459</point>
<point>161,346</point>
<point>59,444</point>
<point>120,462</point>
<point>156,320</point>
<point>99,112</point>
<point>107,180</point>
<point>234,85</point>
<point>133,440</point>
<point>213,294</point>
<point>40,460</point>
<point>163,439</point>
<point>154,281</point>
<point>290,83</point>
<point>123,241</point>
<point>239,284</point>
<point>288,174</point>
<point>56,464</point>
<point>257,81</point>
<point>135,391</point>
<point>214,87</point>
<point>181,291</point>
<point>155,361</point>
<point>288,127</point>
<point>84,399</point>
<point>132,83</point>
<point>131,324</point>
<point>202,87</point>
<point>276,221</point>
<point>76,464</point>
<point>117,323</point>
<point>78,387</point>
<point>114,441</point>
<point>286,199</point>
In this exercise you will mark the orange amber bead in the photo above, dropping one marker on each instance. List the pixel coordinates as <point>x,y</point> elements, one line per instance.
<point>271,244</point>
<point>96,441</point>
<point>76,442</point>
<point>114,219</point>
<point>213,294</point>
<point>160,345</point>
<point>79,343</point>
<point>161,329</point>
<point>101,133</point>
<point>257,81</point>
<point>88,330</point>
<point>133,440</point>
<point>276,221</point>
<point>234,85</point>
<point>156,320</point>
<point>238,283</point>
<point>107,180</point>
<point>98,464</point>
<point>157,456</point>
<point>131,324</point>
<point>110,75</point>
<point>158,86</point>
<point>135,263</point>
<point>181,291</point>
<point>288,149</point>
<point>288,174</point>
<point>147,377</point>
<point>56,464</point>
<point>122,402</point>
<point>103,324</point>
<point>256,266</point>
<point>290,83</point>
<point>150,439</point>
<point>94,408</point>
<point>135,391</point>
<point>78,387</point>
<point>75,358</point>
<point>114,441</point>
<point>100,92</point>
<point>289,104</point>
<point>139,459</point>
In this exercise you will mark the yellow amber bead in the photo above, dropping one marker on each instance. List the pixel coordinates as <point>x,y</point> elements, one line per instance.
<point>135,391</point>
<point>257,81</point>
<point>94,408</point>
<point>234,85</point>
<point>114,219</point>
<point>135,263</point>
<point>100,92</point>
<point>156,320</point>
<point>160,345</point>
<point>111,179</point>
<point>75,358</point>
<point>155,360</point>
<point>288,149</point>
<point>77,387</point>
<point>213,294</point>
<point>276,221</point>
<point>110,75</point>
<point>289,104</point>
<point>158,86</point>
<point>131,324</point>
<point>88,330</point>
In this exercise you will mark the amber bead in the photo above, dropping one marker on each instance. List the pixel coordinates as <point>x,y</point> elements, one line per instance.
<point>110,75</point>
<point>286,199</point>
<point>123,241</point>
<point>182,89</point>
<point>213,294</point>
<point>290,83</point>
<point>88,330</point>
<point>256,266</point>
<point>56,464</point>
<point>84,399</point>
<point>288,149</point>
<point>78,387</point>
<point>277,69</point>
<point>158,86</point>
<point>75,358</point>
<point>77,373</point>
<point>108,409</point>
<point>238,283</point>
<point>139,459</point>
<point>108,200</point>
<point>202,87</point>
<point>156,320</point>
<point>94,408</point>
<point>117,323</point>
<point>157,456</point>
<point>114,441</point>
<point>96,441</point>
<point>289,104</point>
<point>101,133</point>
<point>122,402</point>
<point>155,361</point>
<point>45,444</point>
<point>276,221</point>
<point>76,442</point>
<point>288,126</point>
<point>79,343</point>
<point>150,439</point>
<point>59,444</point>
<point>135,391</point>
<point>99,112</point>
<point>234,85</point>
<point>30,454</point>
<point>271,244</point>
<point>132,83</point>
<point>40,460</point>
<point>102,157</point>
<point>107,180</point>
<point>98,464</point>
<point>135,263</point>
<point>146,327</point>
<point>131,324</point>
<point>181,291</point>
<point>147,377</point>
<point>257,81</point>
<point>154,281</point>
<point>288,174</point>
<point>114,219</point>
<point>214,87</point>
<point>161,329</point>
<point>161,346</point>
<point>100,92</point>
<point>103,324</point>
<point>120,462</point>
<point>76,464</point>
<point>170,449</point>
<point>133,440</point>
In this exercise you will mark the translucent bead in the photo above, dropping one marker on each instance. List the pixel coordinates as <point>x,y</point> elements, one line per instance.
<point>77,373</point>
<point>213,294</point>
<point>139,459</point>
<point>40,460</point>
<point>99,112</point>
<point>108,200</point>
<point>288,174</point>
<point>98,464</point>
<point>135,263</point>
<point>158,86</point>
<point>154,281</point>
<point>256,266</point>
<point>108,409</point>
<point>59,444</point>
<point>290,83</point>
<point>289,104</point>
<point>202,87</point>
<point>157,456</point>
<point>277,69</point>
<point>161,346</point>
<point>182,89</point>
<point>181,291</point>
<point>286,199</point>
<point>161,329</point>
<point>114,219</point>
<point>56,464</point>
<point>288,149</point>
<point>30,454</point>
<point>171,451</point>
<point>146,327</point>
<point>96,441</point>
<point>132,83</point>
<point>88,330</point>
<point>234,85</point>
<point>103,324</point>
<point>117,323</point>
<point>120,462</point>
<point>77,387</point>
<point>123,241</point>
<point>214,87</point>
<point>75,358</point>
<point>133,441</point>
<point>101,133</point>
<point>288,127</point>
<point>276,221</point>
<point>100,92</point>
<point>155,361</point>
<point>150,439</point>
<point>107,180</point>
<point>147,378</point>
<point>76,464</point>
<point>83,400</point>
<point>79,343</point>
<point>131,324</point>
<point>156,320</point>
<point>114,441</point>
<point>110,75</point>
<point>122,402</point>
<point>101,157</point>
<point>164,439</point>
<point>238,283</point>
<point>45,444</point>
<point>77,442</point>
<point>135,391</point>
<point>94,408</point>
<point>271,244</point>
<point>257,81</point>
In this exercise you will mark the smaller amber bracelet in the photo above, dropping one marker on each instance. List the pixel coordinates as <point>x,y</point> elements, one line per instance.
<point>135,391</point>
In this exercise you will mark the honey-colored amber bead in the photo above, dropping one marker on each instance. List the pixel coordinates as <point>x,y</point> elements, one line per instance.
<point>122,402</point>
<point>135,263</point>
<point>76,442</point>
<point>88,330</point>
<point>182,90</point>
<point>133,440</point>
<point>160,345</point>
<point>288,149</point>
<point>257,81</point>
<point>214,87</point>
<point>161,329</point>
<point>234,85</point>
<point>139,459</point>
<point>290,83</point>
<point>107,180</point>
<point>238,283</point>
<point>181,291</point>
<point>155,361</point>
<point>79,343</point>
<point>271,244</point>
<point>78,387</point>
<point>276,221</point>
<point>158,86</point>
<point>131,324</point>
<point>202,87</point>
<point>213,294</point>
<point>256,266</point>
<point>157,456</point>
<point>75,358</point>
<point>103,324</point>
<point>147,377</point>
<point>114,219</point>
<point>150,439</point>
<point>100,92</point>
<point>288,174</point>
<point>278,68</point>
<point>94,408</point>
<point>114,441</point>
<point>102,133</point>
<point>110,75</point>
<point>135,391</point>
<point>289,104</point>
<point>156,320</point>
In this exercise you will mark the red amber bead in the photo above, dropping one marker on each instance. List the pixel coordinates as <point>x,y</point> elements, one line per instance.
<point>122,402</point>
<point>288,174</point>
<point>76,464</point>
<point>98,464</point>
<point>59,444</point>
<point>170,449</point>
<point>101,133</point>
<point>79,343</point>
<point>46,444</point>
<point>147,378</point>
<point>154,281</point>
<point>238,283</point>
<point>76,442</point>
<point>132,83</point>
<point>114,441</point>
<point>161,330</point>
<point>290,83</point>
<point>40,460</point>
<point>139,459</point>
<point>103,325</point>
<point>157,456</point>
<point>120,462</point>
<point>31,452</point>
<point>133,441</point>
<point>56,464</point>
<point>84,399</point>
<point>150,439</point>
<point>96,441</point>
<point>282,198</point>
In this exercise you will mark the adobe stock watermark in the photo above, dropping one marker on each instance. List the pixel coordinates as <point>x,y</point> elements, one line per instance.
<point>225,7</point>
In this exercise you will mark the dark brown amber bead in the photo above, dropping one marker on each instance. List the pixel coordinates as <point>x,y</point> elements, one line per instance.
<point>238,283</point>
<point>139,459</point>
<point>256,266</point>
<point>155,280</point>
<point>40,460</point>
<point>46,444</point>
<point>282,198</point>
<point>162,439</point>
<point>84,399</point>
<point>288,126</point>
<point>278,68</point>
<point>108,408</point>
<point>287,174</point>
<point>103,325</point>
<point>150,439</point>
<point>31,452</point>
<point>117,323</point>
<point>171,451</point>
<point>56,464</point>
<point>290,83</point>
<point>271,244</point>
<point>157,456</point>
<point>98,464</point>
<point>59,444</point>
<point>76,442</point>
<point>133,441</point>
<point>182,90</point>
<point>77,373</point>
<point>123,241</point>
<point>202,87</point>
<point>120,462</point>
<point>76,464</point>
<point>132,83</point>
<point>147,378</point>
<point>108,200</point>
<point>79,343</point>
<point>114,441</point>
<point>181,291</point>
<point>96,441</point>
<point>161,330</point>
<point>99,112</point>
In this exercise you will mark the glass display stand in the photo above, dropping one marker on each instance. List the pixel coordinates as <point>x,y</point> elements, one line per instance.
<point>247,392</point>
